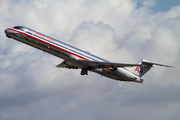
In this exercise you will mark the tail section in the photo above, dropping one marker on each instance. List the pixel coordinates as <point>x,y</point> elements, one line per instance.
<point>146,66</point>
<point>140,70</point>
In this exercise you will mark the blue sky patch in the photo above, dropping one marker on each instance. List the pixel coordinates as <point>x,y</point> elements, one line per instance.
<point>161,5</point>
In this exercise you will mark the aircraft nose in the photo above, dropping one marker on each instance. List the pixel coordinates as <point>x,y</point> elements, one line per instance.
<point>6,31</point>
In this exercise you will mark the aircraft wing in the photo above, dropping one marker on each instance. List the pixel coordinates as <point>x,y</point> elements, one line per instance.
<point>66,64</point>
<point>95,64</point>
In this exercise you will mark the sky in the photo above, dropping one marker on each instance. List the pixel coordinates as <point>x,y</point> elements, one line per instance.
<point>159,5</point>
<point>123,31</point>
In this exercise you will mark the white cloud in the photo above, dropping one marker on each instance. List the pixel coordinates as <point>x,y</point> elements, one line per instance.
<point>94,37</point>
<point>31,86</point>
<point>149,3</point>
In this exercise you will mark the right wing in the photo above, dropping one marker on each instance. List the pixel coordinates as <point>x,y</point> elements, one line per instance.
<point>94,64</point>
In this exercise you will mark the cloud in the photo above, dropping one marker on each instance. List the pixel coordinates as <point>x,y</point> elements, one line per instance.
<point>31,87</point>
<point>94,37</point>
<point>149,3</point>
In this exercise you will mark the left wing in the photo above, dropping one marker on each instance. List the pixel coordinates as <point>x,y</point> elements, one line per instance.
<point>66,64</point>
<point>95,64</point>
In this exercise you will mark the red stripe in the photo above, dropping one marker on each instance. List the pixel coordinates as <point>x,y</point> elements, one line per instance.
<point>48,44</point>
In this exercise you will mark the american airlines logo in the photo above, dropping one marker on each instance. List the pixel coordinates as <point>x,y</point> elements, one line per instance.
<point>46,37</point>
<point>139,69</point>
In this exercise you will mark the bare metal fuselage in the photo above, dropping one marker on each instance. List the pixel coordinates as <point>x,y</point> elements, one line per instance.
<point>69,53</point>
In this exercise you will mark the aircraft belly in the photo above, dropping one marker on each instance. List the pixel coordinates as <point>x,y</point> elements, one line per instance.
<point>106,73</point>
<point>40,46</point>
<point>112,74</point>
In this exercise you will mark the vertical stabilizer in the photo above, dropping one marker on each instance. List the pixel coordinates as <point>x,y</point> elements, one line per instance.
<point>140,70</point>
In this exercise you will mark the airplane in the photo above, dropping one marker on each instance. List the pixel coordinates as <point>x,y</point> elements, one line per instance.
<point>75,58</point>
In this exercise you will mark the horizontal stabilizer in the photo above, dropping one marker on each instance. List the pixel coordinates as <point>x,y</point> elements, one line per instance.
<point>150,63</point>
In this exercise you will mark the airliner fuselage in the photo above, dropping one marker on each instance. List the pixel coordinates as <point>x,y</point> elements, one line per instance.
<point>75,58</point>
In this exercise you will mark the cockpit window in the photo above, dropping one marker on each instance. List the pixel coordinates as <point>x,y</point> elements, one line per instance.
<point>17,27</point>
<point>23,28</point>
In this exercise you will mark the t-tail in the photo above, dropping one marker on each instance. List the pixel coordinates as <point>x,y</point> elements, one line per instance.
<point>146,66</point>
